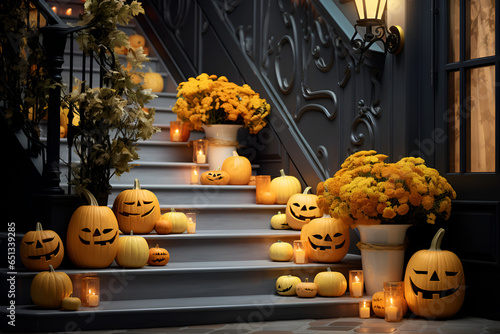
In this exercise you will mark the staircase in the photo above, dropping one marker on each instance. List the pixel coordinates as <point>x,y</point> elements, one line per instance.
<point>220,274</point>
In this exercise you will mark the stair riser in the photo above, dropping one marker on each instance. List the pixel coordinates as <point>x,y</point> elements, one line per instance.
<point>232,219</point>
<point>164,134</point>
<point>222,249</point>
<point>165,283</point>
<point>164,114</point>
<point>192,196</point>
<point>246,318</point>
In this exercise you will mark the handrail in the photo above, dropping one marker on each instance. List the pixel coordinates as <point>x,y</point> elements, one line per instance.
<point>49,14</point>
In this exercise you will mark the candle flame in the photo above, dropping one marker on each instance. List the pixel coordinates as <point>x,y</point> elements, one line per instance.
<point>69,11</point>
<point>176,130</point>
<point>54,9</point>
<point>356,279</point>
<point>200,152</point>
<point>392,303</point>
<point>90,291</point>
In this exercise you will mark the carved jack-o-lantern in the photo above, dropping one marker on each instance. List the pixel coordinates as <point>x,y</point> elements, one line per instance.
<point>301,209</point>
<point>215,177</point>
<point>286,285</point>
<point>326,239</point>
<point>158,256</point>
<point>434,281</point>
<point>136,210</point>
<point>92,238</point>
<point>306,289</point>
<point>39,249</point>
<point>278,221</point>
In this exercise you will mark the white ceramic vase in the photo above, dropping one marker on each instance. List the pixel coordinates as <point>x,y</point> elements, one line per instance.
<point>222,141</point>
<point>382,265</point>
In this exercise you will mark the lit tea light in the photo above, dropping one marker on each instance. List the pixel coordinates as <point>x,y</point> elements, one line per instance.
<point>191,226</point>
<point>356,282</point>
<point>201,158</point>
<point>175,131</point>
<point>90,291</point>
<point>69,11</point>
<point>54,9</point>
<point>364,309</point>
<point>299,252</point>
<point>393,297</point>
<point>391,312</point>
<point>195,174</point>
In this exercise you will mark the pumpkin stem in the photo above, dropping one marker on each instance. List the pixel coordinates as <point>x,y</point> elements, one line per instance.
<point>436,241</point>
<point>306,190</point>
<point>156,246</point>
<point>307,280</point>
<point>235,154</point>
<point>39,226</point>
<point>137,184</point>
<point>90,198</point>
<point>328,269</point>
<point>131,232</point>
<point>172,210</point>
<point>282,172</point>
<point>51,269</point>
<point>279,212</point>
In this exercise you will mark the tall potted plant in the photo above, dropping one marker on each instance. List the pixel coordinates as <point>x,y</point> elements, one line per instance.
<point>112,117</point>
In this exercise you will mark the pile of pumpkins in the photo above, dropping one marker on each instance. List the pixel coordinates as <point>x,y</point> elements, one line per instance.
<point>151,80</point>
<point>326,284</point>
<point>93,240</point>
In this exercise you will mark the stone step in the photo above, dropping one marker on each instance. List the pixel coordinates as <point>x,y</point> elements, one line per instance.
<point>242,310</point>
<point>203,278</point>
<point>170,194</point>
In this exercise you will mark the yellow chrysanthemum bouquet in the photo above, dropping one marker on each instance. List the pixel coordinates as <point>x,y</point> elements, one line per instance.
<point>366,190</point>
<point>207,99</point>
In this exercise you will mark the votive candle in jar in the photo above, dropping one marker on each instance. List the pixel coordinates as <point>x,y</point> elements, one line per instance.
<point>299,252</point>
<point>356,283</point>
<point>200,151</point>
<point>393,297</point>
<point>195,174</point>
<point>191,225</point>
<point>90,291</point>
<point>365,309</point>
<point>263,194</point>
<point>175,131</point>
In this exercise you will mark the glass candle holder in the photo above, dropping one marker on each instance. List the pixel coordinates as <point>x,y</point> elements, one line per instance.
<point>365,309</point>
<point>175,131</point>
<point>200,151</point>
<point>195,174</point>
<point>191,225</point>
<point>90,291</point>
<point>263,194</point>
<point>299,252</point>
<point>356,283</point>
<point>393,296</point>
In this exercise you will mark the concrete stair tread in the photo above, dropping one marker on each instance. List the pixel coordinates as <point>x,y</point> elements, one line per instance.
<point>210,234</point>
<point>183,207</point>
<point>194,303</point>
<point>349,261</point>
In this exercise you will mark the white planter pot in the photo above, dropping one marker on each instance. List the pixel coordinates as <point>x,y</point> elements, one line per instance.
<point>382,265</point>
<point>222,141</point>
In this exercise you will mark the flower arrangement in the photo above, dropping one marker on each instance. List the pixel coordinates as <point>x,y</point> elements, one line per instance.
<point>366,190</point>
<point>207,99</point>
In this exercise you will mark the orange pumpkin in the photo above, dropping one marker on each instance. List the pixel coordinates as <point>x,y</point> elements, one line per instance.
<point>49,288</point>
<point>306,289</point>
<point>326,239</point>
<point>178,220</point>
<point>136,209</point>
<point>215,177</point>
<point>163,226</point>
<point>137,41</point>
<point>158,256</point>
<point>434,281</point>
<point>92,237</point>
<point>239,169</point>
<point>301,209</point>
<point>39,249</point>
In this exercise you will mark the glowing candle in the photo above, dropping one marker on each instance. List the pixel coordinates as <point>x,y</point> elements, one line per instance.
<point>176,136</point>
<point>191,228</point>
<point>195,174</point>
<point>201,158</point>
<point>69,11</point>
<point>364,309</point>
<point>54,9</point>
<point>391,312</point>
<point>299,253</point>
<point>93,299</point>
<point>357,288</point>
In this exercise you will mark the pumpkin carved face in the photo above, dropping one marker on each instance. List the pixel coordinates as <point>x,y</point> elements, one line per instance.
<point>40,248</point>
<point>136,210</point>
<point>326,239</point>
<point>158,256</point>
<point>215,177</point>
<point>92,237</point>
<point>306,289</point>
<point>301,209</point>
<point>434,281</point>
<point>286,285</point>
<point>278,221</point>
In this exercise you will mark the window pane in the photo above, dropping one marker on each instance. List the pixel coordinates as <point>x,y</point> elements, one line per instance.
<point>454,31</point>
<point>480,28</point>
<point>480,111</point>
<point>454,121</point>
